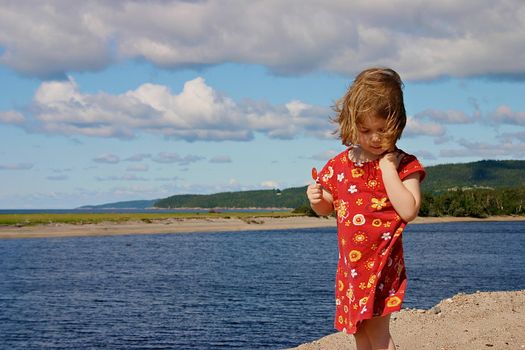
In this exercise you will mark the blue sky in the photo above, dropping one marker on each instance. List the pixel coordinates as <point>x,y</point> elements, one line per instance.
<point>111,101</point>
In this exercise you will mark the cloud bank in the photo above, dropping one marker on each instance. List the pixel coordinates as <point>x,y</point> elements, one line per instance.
<point>422,40</point>
<point>197,113</point>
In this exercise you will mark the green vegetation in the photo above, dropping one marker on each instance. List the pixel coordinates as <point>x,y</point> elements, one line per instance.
<point>94,218</point>
<point>485,173</point>
<point>477,189</point>
<point>288,198</point>
<point>140,204</point>
<point>475,202</point>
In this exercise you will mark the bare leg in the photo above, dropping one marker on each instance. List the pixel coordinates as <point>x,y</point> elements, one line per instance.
<point>378,331</point>
<point>361,340</point>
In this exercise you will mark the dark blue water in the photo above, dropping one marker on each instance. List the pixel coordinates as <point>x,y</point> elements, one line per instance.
<point>238,290</point>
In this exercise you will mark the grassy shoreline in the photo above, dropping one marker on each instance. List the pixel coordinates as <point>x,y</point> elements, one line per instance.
<point>32,219</point>
<point>36,219</point>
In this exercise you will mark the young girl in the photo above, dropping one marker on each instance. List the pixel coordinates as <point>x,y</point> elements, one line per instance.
<point>374,189</point>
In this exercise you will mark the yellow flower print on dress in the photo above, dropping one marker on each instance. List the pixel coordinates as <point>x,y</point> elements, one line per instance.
<point>342,212</point>
<point>358,220</point>
<point>377,222</point>
<point>357,172</point>
<point>372,184</point>
<point>363,301</point>
<point>329,174</point>
<point>379,204</point>
<point>359,237</point>
<point>354,255</point>
<point>393,301</point>
<point>371,281</point>
<point>398,232</point>
<point>350,294</point>
<point>340,285</point>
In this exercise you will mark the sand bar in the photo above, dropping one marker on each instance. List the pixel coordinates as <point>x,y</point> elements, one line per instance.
<point>196,225</point>
<point>165,226</point>
<point>486,320</point>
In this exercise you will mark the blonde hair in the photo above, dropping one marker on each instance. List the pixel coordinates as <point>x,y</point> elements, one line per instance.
<point>375,92</point>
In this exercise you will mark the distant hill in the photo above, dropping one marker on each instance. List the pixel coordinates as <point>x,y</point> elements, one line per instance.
<point>493,174</point>
<point>288,198</point>
<point>139,204</point>
<point>485,173</point>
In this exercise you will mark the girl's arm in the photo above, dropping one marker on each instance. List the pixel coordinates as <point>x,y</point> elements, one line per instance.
<point>405,195</point>
<point>321,200</point>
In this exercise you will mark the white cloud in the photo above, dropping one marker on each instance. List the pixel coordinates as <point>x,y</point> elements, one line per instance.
<point>137,167</point>
<point>505,115</point>
<point>415,127</point>
<point>107,159</point>
<point>423,40</point>
<point>170,158</point>
<point>17,166</point>
<point>138,157</point>
<point>447,117</point>
<point>324,156</point>
<point>485,150</point>
<point>509,136</point>
<point>11,117</point>
<point>270,184</point>
<point>125,177</point>
<point>57,177</point>
<point>198,112</point>
<point>220,159</point>
<point>424,154</point>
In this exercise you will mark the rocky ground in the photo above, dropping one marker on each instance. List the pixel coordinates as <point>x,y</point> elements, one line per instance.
<point>483,320</point>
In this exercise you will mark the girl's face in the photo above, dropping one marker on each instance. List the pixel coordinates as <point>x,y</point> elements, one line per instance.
<point>370,131</point>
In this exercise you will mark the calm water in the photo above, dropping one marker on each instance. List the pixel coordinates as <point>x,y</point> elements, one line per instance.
<point>239,290</point>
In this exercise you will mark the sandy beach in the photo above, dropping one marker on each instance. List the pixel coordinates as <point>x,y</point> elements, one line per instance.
<point>164,226</point>
<point>197,225</point>
<point>483,320</point>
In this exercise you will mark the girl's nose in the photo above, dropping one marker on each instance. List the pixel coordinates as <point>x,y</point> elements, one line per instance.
<point>376,137</point>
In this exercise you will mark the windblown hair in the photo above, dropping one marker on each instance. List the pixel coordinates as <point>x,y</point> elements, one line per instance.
<point>375,92</point>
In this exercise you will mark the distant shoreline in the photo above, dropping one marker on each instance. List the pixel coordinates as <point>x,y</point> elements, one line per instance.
<point>192,225</point>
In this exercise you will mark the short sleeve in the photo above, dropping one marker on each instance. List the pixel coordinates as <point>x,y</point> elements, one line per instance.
<point>410,165</point>
<point>327,178</point>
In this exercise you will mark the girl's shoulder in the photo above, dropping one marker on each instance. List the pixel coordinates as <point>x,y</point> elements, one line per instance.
<point>343,158</point>
<point>409,164</point>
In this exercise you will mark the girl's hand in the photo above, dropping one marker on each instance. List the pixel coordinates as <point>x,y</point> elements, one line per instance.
<point>315,193</point>
<point>390,159</point>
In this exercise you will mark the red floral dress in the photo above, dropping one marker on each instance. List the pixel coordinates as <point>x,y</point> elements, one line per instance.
<point>370,278</point>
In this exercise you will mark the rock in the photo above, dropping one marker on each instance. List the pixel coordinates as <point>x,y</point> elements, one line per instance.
<point>435,310</point>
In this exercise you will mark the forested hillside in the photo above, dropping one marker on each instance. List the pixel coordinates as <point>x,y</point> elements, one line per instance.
<point>485,173</point>
<point>138,204</point>
<point>479,189</point>
<point>474,202</point>
<point>288,198</point>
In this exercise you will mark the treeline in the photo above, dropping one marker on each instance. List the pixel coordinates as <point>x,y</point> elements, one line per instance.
<point>288,198</point>
<point>476,189</point>
<point>488,173</point>
<point>466,202</point>
<point>474,202</point>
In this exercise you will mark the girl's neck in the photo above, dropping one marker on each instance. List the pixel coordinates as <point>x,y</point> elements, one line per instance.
<point>359,155</point>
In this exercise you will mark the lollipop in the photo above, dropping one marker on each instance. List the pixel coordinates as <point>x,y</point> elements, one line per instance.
<point>314,175</point>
